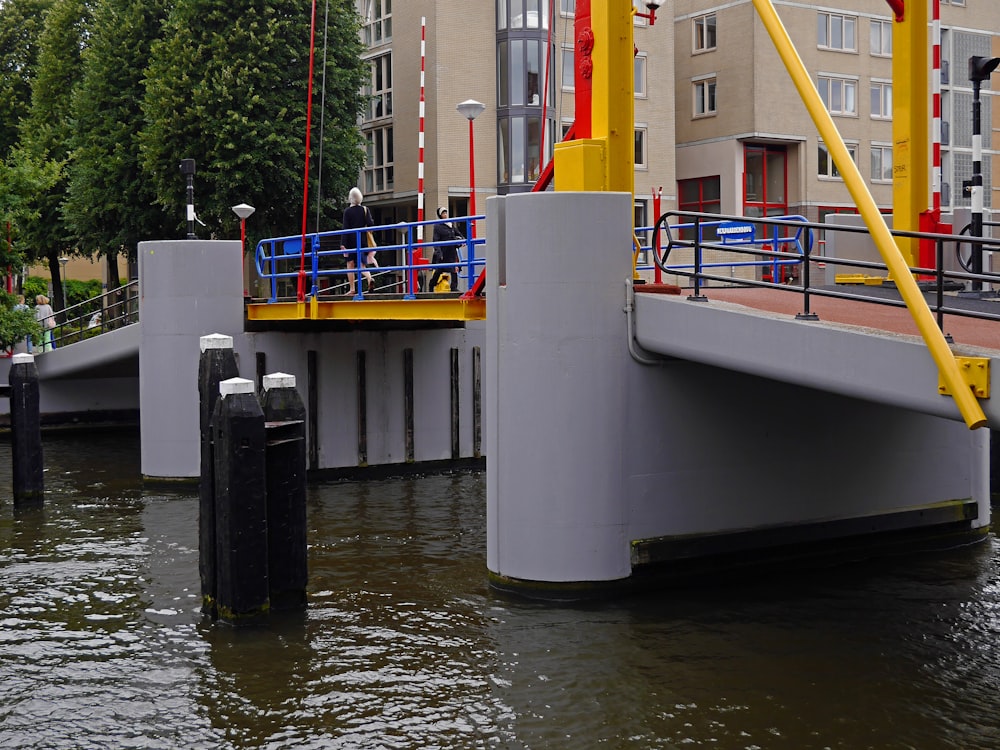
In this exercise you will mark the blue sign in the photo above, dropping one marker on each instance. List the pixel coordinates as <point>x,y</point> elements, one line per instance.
<point>735,232</point>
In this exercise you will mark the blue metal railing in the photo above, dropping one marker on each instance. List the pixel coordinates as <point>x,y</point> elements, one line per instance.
<point>325,262</point>
<point>775,248</point>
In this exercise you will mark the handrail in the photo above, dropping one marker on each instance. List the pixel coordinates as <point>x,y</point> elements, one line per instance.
<point>105,312</point>
<point>699,276</point>
<point>277,258</point>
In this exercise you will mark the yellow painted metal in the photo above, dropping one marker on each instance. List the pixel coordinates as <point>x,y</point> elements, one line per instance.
<point>613,115</point>
<point>606,161</point>
<point>966,402</point>
<point>911,153</point>
<point>453,308</point>
<point>581,166</point>
<point>976,374</point>
<point>858,278</point>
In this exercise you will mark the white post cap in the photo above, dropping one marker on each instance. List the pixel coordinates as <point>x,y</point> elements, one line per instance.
<point>279,380</point>
<point>215,341</point>
<point>22,359</point>
<point>235,385</point>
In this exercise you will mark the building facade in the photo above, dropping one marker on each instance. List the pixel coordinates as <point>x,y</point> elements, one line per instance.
<point>745,142</point>
<point>494,53</point>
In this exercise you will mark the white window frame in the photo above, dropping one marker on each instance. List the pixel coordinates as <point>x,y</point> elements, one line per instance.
<point>704,91</point>
<point>884,97</point>
<point>829,22</point>
<point>879,151</point>
<point>827,84</point>
<point>567,13</point>
<point>383,94</point>
<point>567,85</point>
<point>832,173</point>
<point>640,67</point>
<point>884,29</point>
<point>641,144</point>
<point>699,33</point>
<point>378,176</point>
<point>377,30</point>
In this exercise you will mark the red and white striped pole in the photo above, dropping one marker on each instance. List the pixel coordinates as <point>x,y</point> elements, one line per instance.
<point>936,103</point>
<point>420,137</point>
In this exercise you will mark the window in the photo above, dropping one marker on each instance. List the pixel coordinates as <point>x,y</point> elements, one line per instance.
<point>640,148</point>
<point>704,33</point>
<point>701,195</point>
<point>640,75</point>
<point>881,38</point>
<point>826,167</point>
<point>520,65</point>
<point>837,32</point>
<point>568,79</point>
<point>377,22</point>
<point>881,100</point>
<point>379,88</point>
<point>765,182</point>
<point>839,95</point>
<point>524,14</point>
<point>881,163</point>
<point>704,97</point>
<point>378,175</point>
<point>952,2</point>
<point>567,7</point>
<point>639,217</point>
<point>519,157</point>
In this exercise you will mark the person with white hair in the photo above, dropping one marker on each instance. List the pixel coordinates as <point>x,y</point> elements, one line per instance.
<point>356,216</point>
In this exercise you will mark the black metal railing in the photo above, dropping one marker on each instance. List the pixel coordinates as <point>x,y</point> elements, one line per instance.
<point>937,283</point>
<point>97,315</point>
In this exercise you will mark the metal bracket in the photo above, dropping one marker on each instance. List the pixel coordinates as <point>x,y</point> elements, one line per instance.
<point>976,374</point>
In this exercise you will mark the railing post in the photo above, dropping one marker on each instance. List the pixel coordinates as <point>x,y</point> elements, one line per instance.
<point>697,296</point>
<point>806,313</point>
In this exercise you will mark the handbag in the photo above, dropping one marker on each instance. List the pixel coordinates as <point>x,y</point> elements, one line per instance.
<point>370,240</point>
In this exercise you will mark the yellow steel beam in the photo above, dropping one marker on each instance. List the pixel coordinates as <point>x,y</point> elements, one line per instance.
<point>966,402</point>
<point>910,130</point>
<point>388,310</point>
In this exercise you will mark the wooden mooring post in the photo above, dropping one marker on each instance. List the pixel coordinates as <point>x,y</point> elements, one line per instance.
<point>26,432</point>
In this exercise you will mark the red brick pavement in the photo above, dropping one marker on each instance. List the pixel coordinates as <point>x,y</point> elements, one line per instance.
<point>964,330</point>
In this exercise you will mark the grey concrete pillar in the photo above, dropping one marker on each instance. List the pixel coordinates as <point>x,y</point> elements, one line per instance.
<point>187,289</point>
<point>556,402</point>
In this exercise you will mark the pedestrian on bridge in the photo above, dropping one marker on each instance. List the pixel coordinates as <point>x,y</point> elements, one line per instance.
<point>445,232</point>
<point>45,315</point>
<point>357,216</point>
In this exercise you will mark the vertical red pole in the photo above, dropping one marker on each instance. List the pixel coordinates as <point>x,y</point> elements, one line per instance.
<point>305,180</point>
<point>584,69</point>
<point>472,177</point>
<point>657,197</point>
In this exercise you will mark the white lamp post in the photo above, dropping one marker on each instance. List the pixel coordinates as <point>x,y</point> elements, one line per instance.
<point>62,262</point>
<point>471,109</point>
<point>244,211</point>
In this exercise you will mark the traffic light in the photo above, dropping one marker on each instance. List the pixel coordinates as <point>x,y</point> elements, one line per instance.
<point>981,67</point>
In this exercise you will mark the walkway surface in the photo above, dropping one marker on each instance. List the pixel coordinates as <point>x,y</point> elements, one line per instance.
<point>964,330</point>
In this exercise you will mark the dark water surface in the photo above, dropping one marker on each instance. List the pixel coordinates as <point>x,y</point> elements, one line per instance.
<point>102,644</point>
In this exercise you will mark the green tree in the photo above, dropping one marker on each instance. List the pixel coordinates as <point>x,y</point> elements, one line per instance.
<point>109,206</point>
<point>20,26</point>
<point>15,325</point>
<point>46,132</point>
<point>227,87</point>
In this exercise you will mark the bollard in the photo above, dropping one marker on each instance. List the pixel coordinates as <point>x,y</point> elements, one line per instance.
<point>240,504</point>
<point>287,565</point>
<point>26,431</point>
<point>217,363</point>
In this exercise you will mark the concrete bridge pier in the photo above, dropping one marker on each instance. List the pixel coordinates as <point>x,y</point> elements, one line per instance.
<point>604,472</point>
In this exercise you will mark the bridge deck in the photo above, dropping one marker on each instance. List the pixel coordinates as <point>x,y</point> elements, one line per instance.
<point>968,331</point>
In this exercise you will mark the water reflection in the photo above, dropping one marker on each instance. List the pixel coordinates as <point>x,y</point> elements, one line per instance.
<point>403,645</point>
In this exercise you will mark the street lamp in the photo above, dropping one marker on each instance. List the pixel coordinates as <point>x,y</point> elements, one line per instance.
<point>471,109</point>
<point>653,5</point>
<point>980,69</point>
<point>244,211</point>
<point>62,272</point>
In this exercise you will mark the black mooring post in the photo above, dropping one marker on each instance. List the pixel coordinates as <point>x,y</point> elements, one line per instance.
<point>217,363</point>
<point>285,423</point>
<point>240,504</point>
<point>26,431</point>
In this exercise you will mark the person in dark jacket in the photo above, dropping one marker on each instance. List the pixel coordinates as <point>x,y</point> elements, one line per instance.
<point>356,216</point>
<point>446,253</point>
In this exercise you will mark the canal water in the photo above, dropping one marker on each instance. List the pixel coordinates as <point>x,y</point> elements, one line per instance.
<point>403,645</point>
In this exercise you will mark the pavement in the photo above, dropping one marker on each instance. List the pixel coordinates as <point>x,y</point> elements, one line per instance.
<point>962,329</point>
